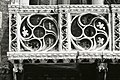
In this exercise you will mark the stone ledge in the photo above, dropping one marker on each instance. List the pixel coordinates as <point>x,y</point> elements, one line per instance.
<point>64,55</point>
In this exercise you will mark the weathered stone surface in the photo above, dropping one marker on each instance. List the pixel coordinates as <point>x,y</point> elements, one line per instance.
<point>4,31</point>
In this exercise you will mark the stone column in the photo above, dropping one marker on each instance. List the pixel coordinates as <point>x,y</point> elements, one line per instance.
<point>82,1</point>
<point>24,2</point>
<point>65,1</point>
<point>0,19</point>
<point>100,2</point>
<point>53,2</point>
<point>0,54</point>
<point>15,2</point>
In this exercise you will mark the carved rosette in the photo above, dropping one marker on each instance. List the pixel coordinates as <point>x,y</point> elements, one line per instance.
<point>89,31</point>
<point>13,31</point>
<point>39,32</point>
<point>117,31</point>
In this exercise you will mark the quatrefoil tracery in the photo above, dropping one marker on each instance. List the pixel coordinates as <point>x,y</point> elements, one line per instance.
<point>89,32</point>
<point>39,32</point>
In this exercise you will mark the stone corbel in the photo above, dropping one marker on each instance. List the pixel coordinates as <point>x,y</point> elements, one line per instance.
<point>17,67</point>
<point>115,60</point>
<point>15,70</point>
<point>20,66</point>
<point>102,67</point>
<point>100,2</point>
<point>14,65</point>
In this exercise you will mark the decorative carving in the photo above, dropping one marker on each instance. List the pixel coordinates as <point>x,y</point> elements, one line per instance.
<point>117,31</point>
<point>67,57</point>
<point>33,9</point>
<point>64,32</point>
<point>13,45</point>
<point>89,32</point>
<point>38,32</point>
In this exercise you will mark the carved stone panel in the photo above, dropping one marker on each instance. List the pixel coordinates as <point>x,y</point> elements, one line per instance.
<point>13,32</point>
<point>90,31</point>
<point>39,32</point>
<point>117,31</point>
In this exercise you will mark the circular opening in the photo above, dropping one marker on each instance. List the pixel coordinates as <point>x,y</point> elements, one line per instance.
<point>76,30</point>
<point>90,31</point>
<point>34,44</point>
<point>87,18</point>
<point>35,19</point>
<point>39,32</point>
<point>50,40</point>
<point>85,43</point>
<point>25,30</point>
<point>101,24</point>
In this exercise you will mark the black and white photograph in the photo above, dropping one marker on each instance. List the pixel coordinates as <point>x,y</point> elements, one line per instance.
<point>59,39</point>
